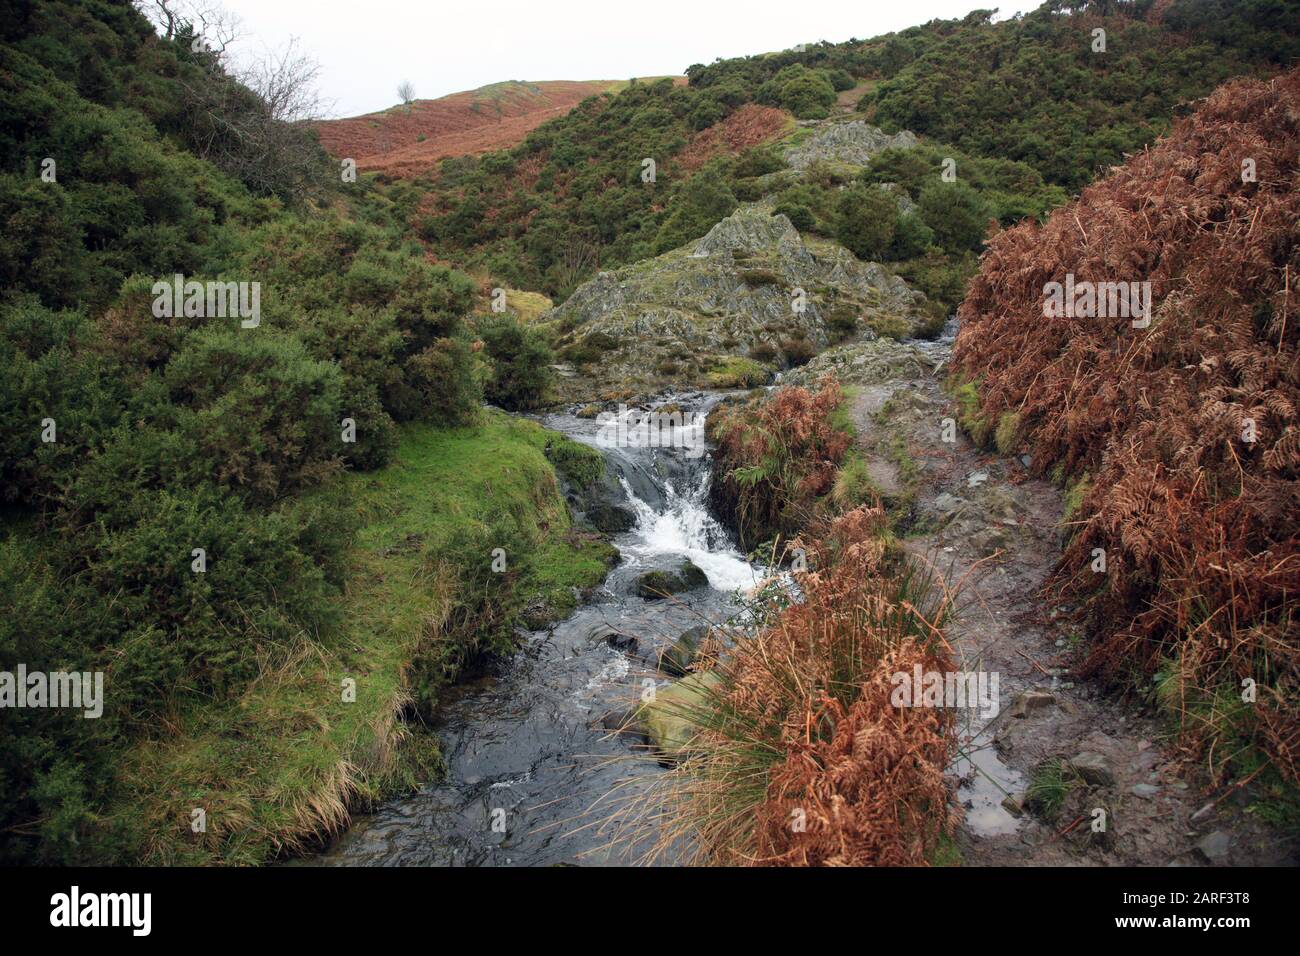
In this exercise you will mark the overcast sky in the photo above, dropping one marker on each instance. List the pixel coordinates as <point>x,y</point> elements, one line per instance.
<point>366,47</point>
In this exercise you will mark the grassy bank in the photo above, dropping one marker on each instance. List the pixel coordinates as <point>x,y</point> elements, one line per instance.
<point>285,760</point>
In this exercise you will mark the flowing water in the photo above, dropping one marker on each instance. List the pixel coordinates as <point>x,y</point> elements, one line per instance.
<point>533,777</point>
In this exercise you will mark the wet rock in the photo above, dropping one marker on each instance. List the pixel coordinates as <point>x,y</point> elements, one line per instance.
<point>677,658</point>
<point>1030,701</point>
<point>990,540</point>
<point>653,585</point>
<point>1214,847</point>
<point>621,720</point>
<point>669,720</point>
<point>622,642</point>
<point>693,576</point>
<point>611,518</point>
<point>1092,769</point>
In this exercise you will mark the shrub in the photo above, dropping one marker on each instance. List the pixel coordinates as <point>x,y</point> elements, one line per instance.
<point>865,220</point>
<point>49,373</point>
<point>808,94</point>
<point>442,383</point>
<point>520,363</point>
<point>263,414</point>
<point>800,216</point>
<point>956,215</point>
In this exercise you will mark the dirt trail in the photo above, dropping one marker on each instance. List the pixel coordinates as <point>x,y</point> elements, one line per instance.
<point>987,525</point>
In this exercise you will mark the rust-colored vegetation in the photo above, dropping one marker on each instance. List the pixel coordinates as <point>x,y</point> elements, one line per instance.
<point>410,140</point>
<point>775,456</point>
<point>1187,430</point>
<point>751,125</point>
<point>801,758</point>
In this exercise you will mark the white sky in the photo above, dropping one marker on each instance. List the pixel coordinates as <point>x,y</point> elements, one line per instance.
<point>366,47</point>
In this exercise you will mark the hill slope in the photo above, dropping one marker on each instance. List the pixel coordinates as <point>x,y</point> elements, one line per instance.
<point>409,140</point>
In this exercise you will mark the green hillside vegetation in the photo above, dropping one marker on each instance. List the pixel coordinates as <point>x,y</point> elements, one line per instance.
<point>184,433</point>
<point>1024,105</point>
<point>1033,88</point>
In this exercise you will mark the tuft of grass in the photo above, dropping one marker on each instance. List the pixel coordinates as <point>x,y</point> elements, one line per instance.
<point>737,372</point>
<point>579,464</point>
<point>1051,782</point>
<point>896,327</point>
<point>1076,491</point>
<point>854,485</point>
<point>969,415</point>
<point>755,743</point>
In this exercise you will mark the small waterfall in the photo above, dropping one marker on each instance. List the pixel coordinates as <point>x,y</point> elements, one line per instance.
<point>685,529</point>
<point>530,740</point>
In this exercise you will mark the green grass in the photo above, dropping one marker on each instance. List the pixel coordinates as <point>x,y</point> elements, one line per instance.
<point>735,372</point>
<point>1051,782</point>
<point>1076,491</point>
<point>969,416</point>
<point>1005,436</point>
<point>946,852</point>
<point>288,757</point>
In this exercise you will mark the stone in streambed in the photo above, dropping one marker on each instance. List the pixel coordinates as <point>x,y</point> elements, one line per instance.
<point>1030,701</point>
<point>611,518</point>
<point>676,659</point>
<point>672,718</point>
<point>1214,847</point>
<point>1092,768</point>
<point>659,584</point>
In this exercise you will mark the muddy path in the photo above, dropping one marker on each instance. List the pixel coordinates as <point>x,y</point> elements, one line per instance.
<point>995,533</point>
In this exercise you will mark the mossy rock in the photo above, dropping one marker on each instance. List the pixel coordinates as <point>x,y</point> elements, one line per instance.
<point>611,518</point>
<point>676,659</point>
<point>653,585</point>
<point>672,719</point>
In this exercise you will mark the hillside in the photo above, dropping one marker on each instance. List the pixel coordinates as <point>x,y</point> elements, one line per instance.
<point>1026,98</point>
<point>408,140</point>
<point>229,519</point>
<point>280,537</point>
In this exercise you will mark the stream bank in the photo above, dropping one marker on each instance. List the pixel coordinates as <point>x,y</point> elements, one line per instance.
<point>533,777</point>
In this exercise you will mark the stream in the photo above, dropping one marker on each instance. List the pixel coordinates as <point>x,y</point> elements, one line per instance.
<point>533,778</point>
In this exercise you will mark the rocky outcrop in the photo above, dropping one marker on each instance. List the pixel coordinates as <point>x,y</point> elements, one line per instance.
<point>852,143</point>
<point>753,290</point>
<point>875,361</point>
